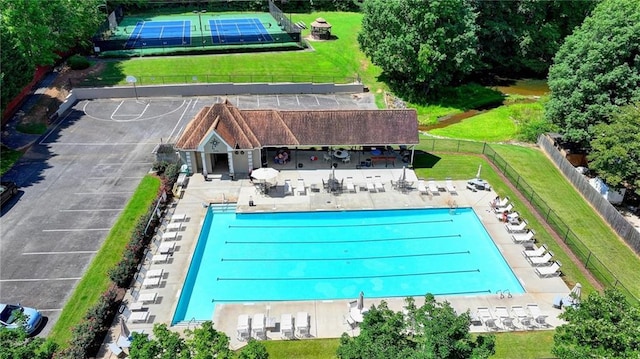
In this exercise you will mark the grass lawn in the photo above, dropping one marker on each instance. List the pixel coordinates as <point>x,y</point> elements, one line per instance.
<point>7,158</point>
<point>302,349</point>
<point>547,181</point>
<point>95,280</point>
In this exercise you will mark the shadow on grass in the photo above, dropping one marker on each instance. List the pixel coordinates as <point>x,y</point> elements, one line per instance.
<point>425,160</point>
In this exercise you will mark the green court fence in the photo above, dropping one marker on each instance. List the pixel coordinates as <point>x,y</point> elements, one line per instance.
<point>578,248</point>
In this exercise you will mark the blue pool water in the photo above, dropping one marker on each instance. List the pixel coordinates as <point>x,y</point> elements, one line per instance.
<point>335,255</point>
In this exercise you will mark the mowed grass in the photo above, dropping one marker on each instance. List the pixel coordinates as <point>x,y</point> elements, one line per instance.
<point>302,349</point>
<point>7,158</point>
<point>95,279</point>
<point>547,181</point>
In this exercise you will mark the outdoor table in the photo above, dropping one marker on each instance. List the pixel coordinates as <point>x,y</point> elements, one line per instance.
<point>340,154</point>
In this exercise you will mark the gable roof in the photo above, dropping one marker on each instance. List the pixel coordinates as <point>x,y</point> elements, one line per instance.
<point>248,129</point>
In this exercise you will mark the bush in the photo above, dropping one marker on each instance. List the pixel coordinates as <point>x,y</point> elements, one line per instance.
<point>77,62</point>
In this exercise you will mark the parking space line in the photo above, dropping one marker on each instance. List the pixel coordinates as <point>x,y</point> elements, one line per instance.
<point>278,98</point>
<point>186,108</point>
<point>297,99</point>
<point>317,101</point>
<point>76,229</point>
<point>109,177</point>
<point>194,104</point>
<point>47,253</point>
<point>54,128</point>
<point>336,99</point>
<point>37,279</point>
<point>237,101</point>
<point>92,210</point>
<point>258,100</point>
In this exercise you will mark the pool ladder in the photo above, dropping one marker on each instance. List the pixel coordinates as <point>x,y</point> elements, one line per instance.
<point>504,293</point>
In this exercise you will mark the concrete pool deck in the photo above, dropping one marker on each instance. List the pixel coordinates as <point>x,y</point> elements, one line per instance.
<point>328,319</point>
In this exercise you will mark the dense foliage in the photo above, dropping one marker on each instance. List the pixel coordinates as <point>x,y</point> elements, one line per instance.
<point>431,331</point>
<point>596,70</point>
<point>420,45</point>
<point>602,326</point>
<point>34,33</point>
<point>521,37</point>
<point>615,149</point>
<point>16,344</point>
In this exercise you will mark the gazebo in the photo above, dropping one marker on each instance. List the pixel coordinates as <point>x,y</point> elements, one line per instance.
<point>321,29</point>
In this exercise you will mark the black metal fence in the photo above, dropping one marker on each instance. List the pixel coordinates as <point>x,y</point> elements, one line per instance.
<point>579,249</point>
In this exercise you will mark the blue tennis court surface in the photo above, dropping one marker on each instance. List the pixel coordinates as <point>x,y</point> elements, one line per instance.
<point>160,33</point>
<point>238,31</point>
<point>263,257</point>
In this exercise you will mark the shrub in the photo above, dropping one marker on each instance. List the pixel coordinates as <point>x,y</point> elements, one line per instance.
<point>77,62</point>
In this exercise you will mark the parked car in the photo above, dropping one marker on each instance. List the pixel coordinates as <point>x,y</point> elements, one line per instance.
<point>7,190</point>
<point>9,317</point>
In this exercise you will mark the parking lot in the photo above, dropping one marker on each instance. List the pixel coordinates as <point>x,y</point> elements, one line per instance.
<point>77,178</point>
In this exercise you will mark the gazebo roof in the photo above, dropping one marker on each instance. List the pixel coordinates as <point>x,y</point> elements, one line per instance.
<point>321,23</point>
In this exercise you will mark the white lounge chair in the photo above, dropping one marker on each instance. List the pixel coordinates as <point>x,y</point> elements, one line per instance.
<point>536,252</point>
<point>523,317</point>
<point>243,328</point>
<point>169,236</point>
<point>516,228</point>
<point>138,317</point>
<point>116,350</point>
<point>288,189</point>
<point>151,282</point>
<point>433,187</point>
<point>349,185</point>
<point>166,247</point>
<point>500,210</point>
<point>500,203</point>
<point>512,218</point>
<point>505,319</point>
<point>302,324</point>
<point>160,258</point>
<point>450,187</point>
<point>286,326</point>
<point>258,326</point>
<point>538,318</point>
<point>301,189</point>
<point>545,260</point>
<point>152,273</point>
<point>422,188</point>
<point>370,186</point>
<point>550,271</point>
<point>523,238</point>
<point>147,297</point>
<point>175,226</point>
<point>487,319</point>
<point>181,217</point>
<point>377,183</point>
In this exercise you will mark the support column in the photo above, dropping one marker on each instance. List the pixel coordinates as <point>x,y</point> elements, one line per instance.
<point>232,172</point>
<point>203,157</point>
<point>250,159</point>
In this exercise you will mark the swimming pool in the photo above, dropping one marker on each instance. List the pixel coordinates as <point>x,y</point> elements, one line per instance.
<point>269,257</point>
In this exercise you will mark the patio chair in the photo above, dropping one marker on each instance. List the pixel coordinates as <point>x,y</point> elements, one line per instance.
<point>346,159</point>
<point>370,187</point>
<point>536,252</point>
<point>487,319</point>
<point>350,186</point>
<point>243,329</point>
<point>422,188</point>
<point>505,319</point>
<point>301,189</point>
<point>327,157</point>
<point>500,210</point>
<point>152,273</point>
<point>538,318</point>
<point>288,189</point>
<point>519,228</point>
<point>286,326</point>
<point>522,316</point>
<point>377,183</point>
<point>550,271</point>
<point>450,187</point>
<point>147,297</point>
<point>545,260</point>
<point>302,324</point>
<point>258,326</point>
<point>151,282</point>
<point>523,238</point>
<point>433,187</point>
<point>166,247</point>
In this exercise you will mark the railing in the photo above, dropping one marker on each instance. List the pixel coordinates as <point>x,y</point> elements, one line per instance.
<point>215,78</point>
<point>578,248</point>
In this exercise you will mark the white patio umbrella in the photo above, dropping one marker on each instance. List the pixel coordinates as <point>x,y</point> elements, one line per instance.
<point>576,292</point>
<point>361,301</point>
<point>479,169</point>
<point>264,173</point>
<point>404,174</point>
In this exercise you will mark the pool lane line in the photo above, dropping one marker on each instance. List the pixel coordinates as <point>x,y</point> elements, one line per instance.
<point>475,292</point>
<point>346,225</point>
<point>464,271</point>
<point>346,240</point>
<point>341,259</point>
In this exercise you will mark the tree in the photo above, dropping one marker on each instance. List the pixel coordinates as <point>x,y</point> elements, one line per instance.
<point>16,344</point>
<point>166,345</point>
<point>254,350</point>
<point>596,70</point>
<point>207,343</point>
<point>431,331</point>
<point>420,45</point>
<point>615,149</point>
<point>602,326</point>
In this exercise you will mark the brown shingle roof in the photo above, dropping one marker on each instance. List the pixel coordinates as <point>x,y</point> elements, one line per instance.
<point>258,128</point>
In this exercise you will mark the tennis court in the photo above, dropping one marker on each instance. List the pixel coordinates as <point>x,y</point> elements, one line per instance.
<point>235,31</point>
<point>160,33</point>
